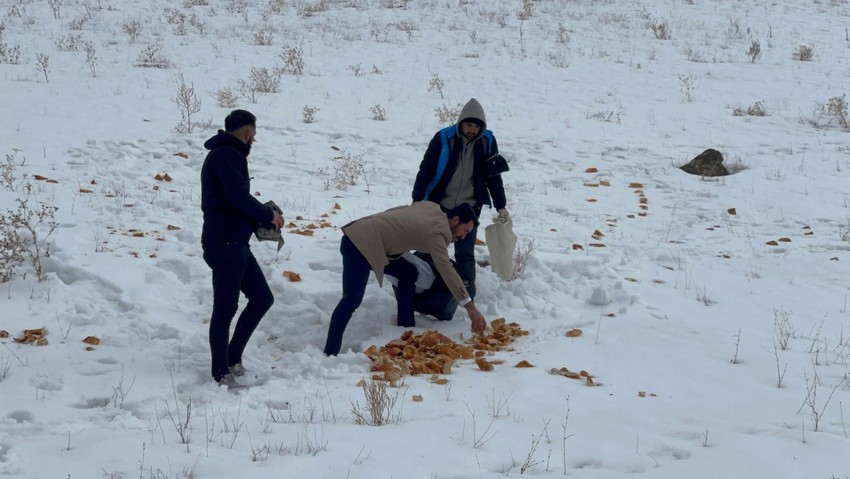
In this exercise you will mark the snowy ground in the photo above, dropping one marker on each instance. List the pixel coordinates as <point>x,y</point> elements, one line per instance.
<point>738,346</point>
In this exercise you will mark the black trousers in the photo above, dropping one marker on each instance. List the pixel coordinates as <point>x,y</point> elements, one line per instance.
<point>407,274</point>
<point>465,259</point>
<point>234,269</point>
<point>355,276</point>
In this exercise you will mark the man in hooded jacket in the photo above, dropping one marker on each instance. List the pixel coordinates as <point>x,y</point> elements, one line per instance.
<point>231,214</point>
<point>453,171</point>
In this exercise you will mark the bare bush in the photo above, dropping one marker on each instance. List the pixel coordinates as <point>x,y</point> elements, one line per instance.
<point>661,30</point>
<point>225,98</point>
<point>91,58</point>
<point>293,60</point>
<point>236,6</point>
<point>309,113</point>
<point>133,28</point>
<point>816,411</point>
<point>5,365</point>
<point>24,234</point>
<point>79,22</point>
<point>263,80</point>
<point>804,53</point>
<point>380,31</point>
<point>561,36</point>
<point>263,37</point>
<point>833,111</point>
<point>756,109</point>
<point>276,6</point>
<point>152,57</point>
<point>173,16</point>
<point>843,232</point>
<point>784,330</point>
<point>306,9</point>
<point>448,114</point>
<point>42,64</point>
<point>346,169</point>
<point>608,116</point>
<point>8,54</point>
<point>378,112</point>
<point>69,42</point>
<point>8,173</point>
<point>197,24</point>
<point>530,460</point>
<point>247,91</point>
<point>188,102</point>
<point>754,53</point>
<point>407,27</point>
<point>380,406</point>
<point>687,83</point>
<point>836,107</point>
<point>526,9</point>
<point>436,84</point>
<point>522,253</point>
<point>56,6</point>
<point>357,70</point>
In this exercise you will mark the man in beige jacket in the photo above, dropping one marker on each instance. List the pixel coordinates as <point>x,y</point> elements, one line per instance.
<point>370,243</point>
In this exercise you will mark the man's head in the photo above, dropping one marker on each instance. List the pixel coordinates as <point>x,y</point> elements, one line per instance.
<point>462,221</point>
<point>471,121</point>
<point>242,124</point>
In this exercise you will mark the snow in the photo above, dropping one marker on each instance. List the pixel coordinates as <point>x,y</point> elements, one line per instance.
<point>683,311</point>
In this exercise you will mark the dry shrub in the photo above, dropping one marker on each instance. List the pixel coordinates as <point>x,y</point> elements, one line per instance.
<point>380,406</point>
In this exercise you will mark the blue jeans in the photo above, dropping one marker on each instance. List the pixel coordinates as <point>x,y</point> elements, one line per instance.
<point>355,276</point>
<point>234,269</point>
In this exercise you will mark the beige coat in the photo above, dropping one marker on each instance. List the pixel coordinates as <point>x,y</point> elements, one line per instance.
<point>421,226</point>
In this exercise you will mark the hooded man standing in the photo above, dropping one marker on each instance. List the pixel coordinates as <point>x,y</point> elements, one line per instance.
<point>374,242</point>
<point>231,214</point>
<point>454,171</point>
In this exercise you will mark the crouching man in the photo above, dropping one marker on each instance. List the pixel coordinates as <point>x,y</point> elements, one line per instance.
<point>419,288</point>
<point>372,242</point>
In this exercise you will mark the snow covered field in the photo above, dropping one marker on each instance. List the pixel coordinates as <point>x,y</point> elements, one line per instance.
<point>715,353</point>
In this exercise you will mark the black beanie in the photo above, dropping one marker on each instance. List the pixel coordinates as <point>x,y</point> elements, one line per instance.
<point>239,118</point>
<point>473,120</point>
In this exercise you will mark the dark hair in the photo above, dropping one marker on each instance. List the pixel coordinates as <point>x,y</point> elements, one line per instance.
<point>464,213</point>
<point>239,118</point>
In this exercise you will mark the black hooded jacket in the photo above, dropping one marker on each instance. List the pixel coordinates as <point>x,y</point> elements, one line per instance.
<point>231,213</point>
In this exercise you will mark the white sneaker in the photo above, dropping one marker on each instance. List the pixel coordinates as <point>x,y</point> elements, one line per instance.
<point>237,370</point>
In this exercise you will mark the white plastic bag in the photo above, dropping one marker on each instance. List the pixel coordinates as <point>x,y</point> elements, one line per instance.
<point>501,242</point>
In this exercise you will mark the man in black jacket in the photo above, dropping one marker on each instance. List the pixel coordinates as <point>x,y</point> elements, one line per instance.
<point>418,287</point>
<point>454,171</point>
<point>231,214</point>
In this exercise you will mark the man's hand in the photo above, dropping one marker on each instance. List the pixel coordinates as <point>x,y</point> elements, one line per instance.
<point>504,216</point>
<point>277,221</point>
<point>478,321</point>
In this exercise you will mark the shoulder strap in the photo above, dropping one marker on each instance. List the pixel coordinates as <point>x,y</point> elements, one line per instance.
<point>446,134</point>
<point>488,135</point>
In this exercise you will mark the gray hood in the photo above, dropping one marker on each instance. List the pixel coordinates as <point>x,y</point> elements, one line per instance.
<point>472,111</point>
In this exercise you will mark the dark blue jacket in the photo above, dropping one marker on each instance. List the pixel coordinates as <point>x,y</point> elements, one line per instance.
<point>485,187</point>
<point>231,213</point>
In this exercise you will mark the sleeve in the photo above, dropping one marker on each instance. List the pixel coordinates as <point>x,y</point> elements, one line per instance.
<point>494,183</point>
<point>236,188</point>
<point>428,168</point>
